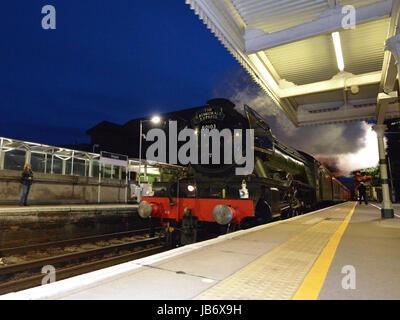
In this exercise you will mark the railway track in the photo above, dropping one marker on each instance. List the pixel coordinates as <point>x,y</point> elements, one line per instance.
<point>27,274</point>
<point>69,242</point>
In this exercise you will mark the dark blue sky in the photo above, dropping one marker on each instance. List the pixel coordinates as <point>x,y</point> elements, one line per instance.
<point>107,60</point>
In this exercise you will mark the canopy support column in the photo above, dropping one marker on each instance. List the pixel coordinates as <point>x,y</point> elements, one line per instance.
<point>387,209</point>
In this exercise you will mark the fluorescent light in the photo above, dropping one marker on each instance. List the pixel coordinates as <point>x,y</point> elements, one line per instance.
<point>266,75</point>
<point>338,50</point>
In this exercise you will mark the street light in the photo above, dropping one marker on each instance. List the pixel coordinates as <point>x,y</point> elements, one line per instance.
<point>155,120</point>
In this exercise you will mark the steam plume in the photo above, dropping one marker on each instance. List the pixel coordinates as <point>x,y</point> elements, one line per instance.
<point>343,147</point>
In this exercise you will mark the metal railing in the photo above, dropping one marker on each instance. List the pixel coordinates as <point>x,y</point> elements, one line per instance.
<point>14,154</point>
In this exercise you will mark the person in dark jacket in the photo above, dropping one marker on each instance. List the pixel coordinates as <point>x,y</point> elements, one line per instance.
<point>26,179</point>
<point>362,193</point>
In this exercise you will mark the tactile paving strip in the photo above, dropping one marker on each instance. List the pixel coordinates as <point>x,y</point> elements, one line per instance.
<point>279,273</point>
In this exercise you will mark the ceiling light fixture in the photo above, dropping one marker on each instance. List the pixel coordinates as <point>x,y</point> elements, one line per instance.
<point>338,50</point>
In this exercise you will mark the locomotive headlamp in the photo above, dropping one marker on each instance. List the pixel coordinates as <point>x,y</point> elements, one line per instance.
<point>191,188</point>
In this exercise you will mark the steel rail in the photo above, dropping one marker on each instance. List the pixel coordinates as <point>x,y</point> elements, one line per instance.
<point>63,243</point>
<point>69,257</point>
<point>64,273</point>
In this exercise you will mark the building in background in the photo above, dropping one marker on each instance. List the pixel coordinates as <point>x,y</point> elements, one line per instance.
<point>124,139</point>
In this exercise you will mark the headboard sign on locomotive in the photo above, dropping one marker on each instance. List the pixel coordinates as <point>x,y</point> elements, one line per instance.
<point>283,181</point>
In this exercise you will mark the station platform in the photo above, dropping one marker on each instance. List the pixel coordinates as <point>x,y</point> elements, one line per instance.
<point>342,252</point>
<point>21,225</point>
<point>16,209</point>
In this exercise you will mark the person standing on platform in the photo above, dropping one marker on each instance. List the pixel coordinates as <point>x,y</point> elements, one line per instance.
<point>362,193</point>
<point>26,180</point>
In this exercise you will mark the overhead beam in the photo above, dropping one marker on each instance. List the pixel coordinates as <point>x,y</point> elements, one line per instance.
<point>389,69</point>
<point>389,74</point>
<point>330,85</point>
<point>331,105</point>
<point>330,21</point>
<point>346,113</point>
<point>384,100</point>
<point>265,77</point>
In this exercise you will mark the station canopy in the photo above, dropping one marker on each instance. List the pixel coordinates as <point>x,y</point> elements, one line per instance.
<point>316,65</point>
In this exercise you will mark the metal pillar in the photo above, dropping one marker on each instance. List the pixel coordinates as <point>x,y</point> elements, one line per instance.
<point>27,156</point>
<point>72,163</point>
<point>99,185</point>
<point>140,149</point>
<point>126,182</point>
<point>52,162</point>
<point>2,154</point>
<point>90,173</point>
<point>64,166</point>
<point>387,209</point>
<point>45,163</point>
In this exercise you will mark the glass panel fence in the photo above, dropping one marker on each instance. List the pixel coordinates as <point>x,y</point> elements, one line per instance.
<point>14,160</point>
<point>79,167</point>
<point>38,162</point>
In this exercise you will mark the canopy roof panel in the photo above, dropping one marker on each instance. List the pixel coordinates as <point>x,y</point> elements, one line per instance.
<point>315,60</point>
<point>272,16</point>
<point>305,55</point>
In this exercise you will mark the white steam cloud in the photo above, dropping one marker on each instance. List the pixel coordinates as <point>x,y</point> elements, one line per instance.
<point>345,147</point>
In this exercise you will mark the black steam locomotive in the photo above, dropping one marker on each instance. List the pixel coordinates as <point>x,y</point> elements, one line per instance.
<point>284,182</point>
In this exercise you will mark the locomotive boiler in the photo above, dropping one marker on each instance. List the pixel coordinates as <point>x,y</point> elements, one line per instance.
<point>211,197</point>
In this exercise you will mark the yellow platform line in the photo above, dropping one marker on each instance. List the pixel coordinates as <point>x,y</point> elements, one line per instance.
<point>313,282</point>
<point>279,273</point>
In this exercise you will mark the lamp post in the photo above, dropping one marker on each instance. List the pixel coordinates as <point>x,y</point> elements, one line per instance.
<point>95,146</point>
<point>155,120</point>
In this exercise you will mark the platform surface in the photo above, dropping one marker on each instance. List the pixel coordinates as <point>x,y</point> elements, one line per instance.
<point>343,252</point>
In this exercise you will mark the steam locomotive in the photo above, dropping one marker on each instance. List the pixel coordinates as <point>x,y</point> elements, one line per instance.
<point>284,182</point>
